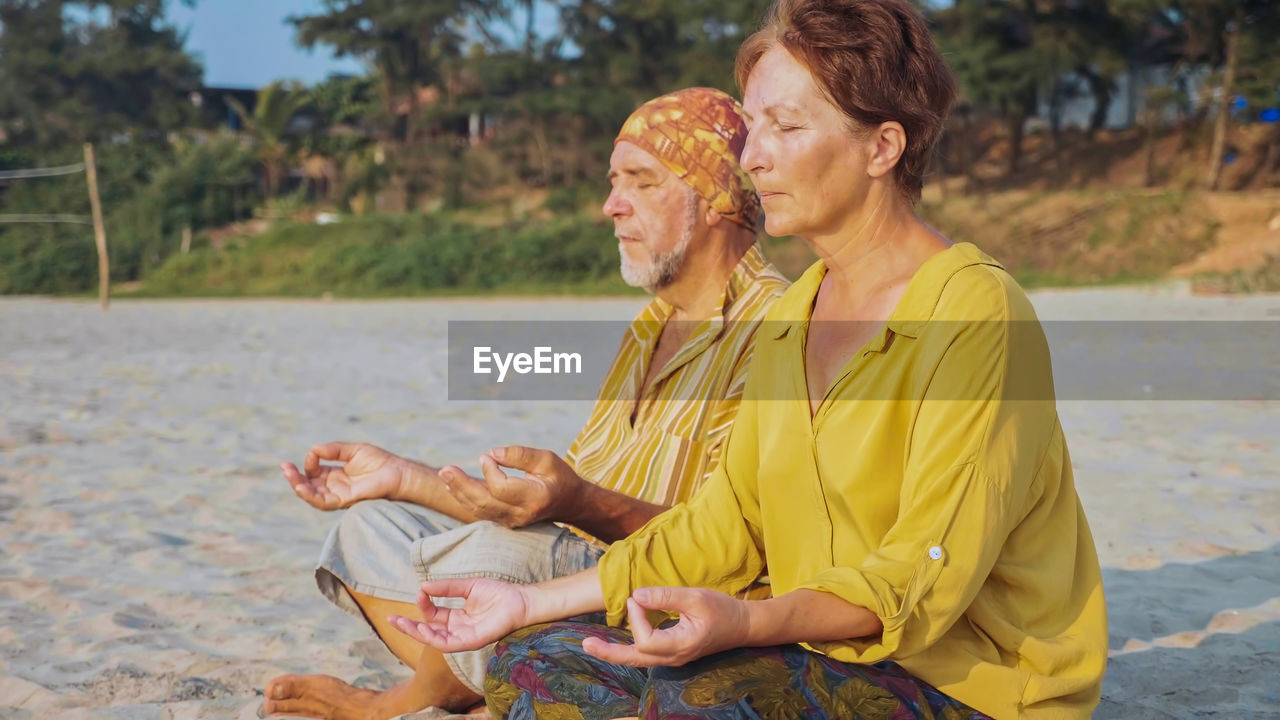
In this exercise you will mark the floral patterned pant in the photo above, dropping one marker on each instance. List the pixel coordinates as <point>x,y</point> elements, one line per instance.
<point>543,672</point>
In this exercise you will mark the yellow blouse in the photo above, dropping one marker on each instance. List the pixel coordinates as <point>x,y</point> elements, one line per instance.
<point>932,487</point>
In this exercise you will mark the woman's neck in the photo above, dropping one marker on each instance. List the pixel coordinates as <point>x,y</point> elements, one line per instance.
<point>880,249</point>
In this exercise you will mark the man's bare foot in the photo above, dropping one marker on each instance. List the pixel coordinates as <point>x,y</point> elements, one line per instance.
<point>328,698</point>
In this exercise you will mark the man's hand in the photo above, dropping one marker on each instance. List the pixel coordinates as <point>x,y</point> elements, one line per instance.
<point>367,473</point>
<point>549,490</point>
<point>710,622</point>
<point>493,609</point>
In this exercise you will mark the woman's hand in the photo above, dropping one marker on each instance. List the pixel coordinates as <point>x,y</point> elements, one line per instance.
<point>493,609</point>
<point>710,622</point>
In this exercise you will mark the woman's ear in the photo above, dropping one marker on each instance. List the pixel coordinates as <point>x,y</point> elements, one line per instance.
<point>885,146</point>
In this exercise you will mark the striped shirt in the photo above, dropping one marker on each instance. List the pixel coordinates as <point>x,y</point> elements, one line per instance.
<point>683,418</point>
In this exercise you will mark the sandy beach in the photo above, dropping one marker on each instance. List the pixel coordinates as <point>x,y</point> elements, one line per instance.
<point>154,564</point>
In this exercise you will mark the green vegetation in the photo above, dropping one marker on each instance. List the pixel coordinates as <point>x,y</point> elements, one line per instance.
<point>449,160</point>
<point>416,254</point>
<point>1081,238</point>
<point>149,194</point>
<point>450,253</point>
<point>1261,279</point>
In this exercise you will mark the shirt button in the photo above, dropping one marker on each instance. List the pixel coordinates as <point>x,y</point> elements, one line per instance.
<point>935,552</point>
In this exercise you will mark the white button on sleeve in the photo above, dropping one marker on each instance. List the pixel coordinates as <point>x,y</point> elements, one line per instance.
<point>935,552</point>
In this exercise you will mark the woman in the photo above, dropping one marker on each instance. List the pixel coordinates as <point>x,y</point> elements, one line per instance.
<point>898,463</point>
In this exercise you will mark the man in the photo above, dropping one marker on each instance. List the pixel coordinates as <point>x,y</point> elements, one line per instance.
<point>685,218</point>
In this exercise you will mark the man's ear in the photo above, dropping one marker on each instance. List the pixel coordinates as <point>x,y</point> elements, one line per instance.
<point>885,147</point>
<point>711,217</point>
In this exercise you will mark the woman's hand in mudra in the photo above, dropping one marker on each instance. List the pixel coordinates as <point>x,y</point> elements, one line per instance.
<point>491,610</point>
<point>710,622</point>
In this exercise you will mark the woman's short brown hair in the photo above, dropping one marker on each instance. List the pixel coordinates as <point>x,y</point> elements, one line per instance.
<point>875,60</point>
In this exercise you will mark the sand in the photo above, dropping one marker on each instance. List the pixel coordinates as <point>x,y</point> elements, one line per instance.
<point>154,564</point>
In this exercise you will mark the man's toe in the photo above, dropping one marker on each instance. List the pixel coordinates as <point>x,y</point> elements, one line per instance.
<point>280,688</point>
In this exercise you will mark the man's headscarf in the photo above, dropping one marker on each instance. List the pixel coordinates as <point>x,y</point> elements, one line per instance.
<point>698,134</point>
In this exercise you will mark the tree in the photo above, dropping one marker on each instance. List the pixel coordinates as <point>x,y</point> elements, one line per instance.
<point>407,43</point>
<point>1231,52</point>
<point>569,105</point>
<point>648,47</point>
<point>1258,83</point>
<point>1214,32</point>
<point>112,72</point>
<point>991,49</point>
<point>268,123</point>
<point>88,70</point>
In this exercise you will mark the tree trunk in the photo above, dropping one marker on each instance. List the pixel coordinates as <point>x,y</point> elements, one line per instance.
<point>966,152</point>
<point>1101,91</point>
<point>1152,136</point>
<point>1056,103</point>
<point>410,120</point>
<point>387,93</point>
<point>1269,161</point>
<point>528,28</point>
<point>544,151</point>
<point>1016,125</point>
<point>1224,102</point>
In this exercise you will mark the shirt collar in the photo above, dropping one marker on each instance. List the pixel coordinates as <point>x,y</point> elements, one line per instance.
<point>913,311</point>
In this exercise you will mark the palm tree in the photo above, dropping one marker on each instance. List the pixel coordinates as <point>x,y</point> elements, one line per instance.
<point>268,123</point>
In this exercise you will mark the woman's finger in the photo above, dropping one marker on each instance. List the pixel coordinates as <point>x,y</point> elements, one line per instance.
<point>296,479</point>
<point>447,588</point>
<point>651,647</point>
<point>409,627</point>
<point>627,654</point>
<point>641,630</point>
<point>674,599</point>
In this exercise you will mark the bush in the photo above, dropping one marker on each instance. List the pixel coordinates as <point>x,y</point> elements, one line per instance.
<point>149,193</point>
<point>414,254</point>
<point>1264,278</point>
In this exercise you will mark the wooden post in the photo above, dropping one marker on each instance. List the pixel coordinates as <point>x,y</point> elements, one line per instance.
<point>99,232</point>
<point>186,239</point>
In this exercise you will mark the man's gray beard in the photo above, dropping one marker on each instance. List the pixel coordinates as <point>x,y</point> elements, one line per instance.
<point>664,268</point>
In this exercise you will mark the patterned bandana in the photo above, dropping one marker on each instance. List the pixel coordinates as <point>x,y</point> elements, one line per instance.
<point>698,134</point>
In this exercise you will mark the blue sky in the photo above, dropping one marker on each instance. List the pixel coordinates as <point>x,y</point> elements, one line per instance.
<point>249,43</point>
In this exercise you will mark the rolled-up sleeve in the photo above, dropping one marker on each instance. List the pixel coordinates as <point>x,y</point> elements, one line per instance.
<point>928,568</point>
<point>712,541</point>
<point>979,435</point>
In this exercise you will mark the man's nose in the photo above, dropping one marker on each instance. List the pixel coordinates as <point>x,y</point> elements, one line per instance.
<point>615,205</point>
